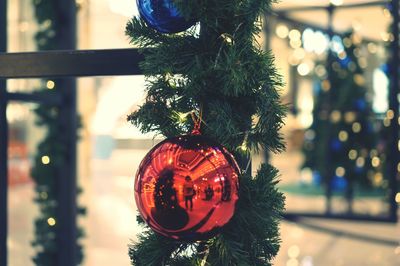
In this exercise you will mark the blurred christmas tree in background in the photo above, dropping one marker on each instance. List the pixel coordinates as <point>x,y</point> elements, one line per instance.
<point>340,146</point>
<point>51,153</point>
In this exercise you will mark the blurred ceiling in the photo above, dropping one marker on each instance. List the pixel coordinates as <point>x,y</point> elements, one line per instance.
<point>371,21</point>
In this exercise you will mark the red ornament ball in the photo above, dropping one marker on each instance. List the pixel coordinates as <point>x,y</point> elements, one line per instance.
<point>186,187</point>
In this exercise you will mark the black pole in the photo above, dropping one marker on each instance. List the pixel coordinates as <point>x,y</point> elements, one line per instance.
<point>328,177</point>
<point>66,188</point>
<point>3,141</point>
<point>394,153</point>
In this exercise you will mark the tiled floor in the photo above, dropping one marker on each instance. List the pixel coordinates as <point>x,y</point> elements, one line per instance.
<point>111,226</point>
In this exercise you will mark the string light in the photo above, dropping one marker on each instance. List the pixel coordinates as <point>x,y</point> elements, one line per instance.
<point>386,122</point>
<point>375,162</point>
<point>362,61</point>
<point>326,85</point>
<point>303,69</point>
<point>50,84</point>
<point>295,43</point>
<point>352,154</point>
<point>386,13</point>
<point>349,117</point>
<point>321,72</point>
<point>293,252</point>
<point>294,35</point>
<point>398,201</point>
<point>359,79</point>
<point>378,178</point>
<point>336,2</point>
<point>390,114</point>
<point>292,262</point>
<point>372,48</point>
<point>347,42</point>
<point>299,53</point>
<point>336,116</point>
<point>44,195</point>
<point>45,160</point>
<point>360,162</point>
<point>343,136</point>
<point>356,127</point>
<point>282,31</point>
<point>51,221</point>
<point>373,153</point>
<point>340,171</point>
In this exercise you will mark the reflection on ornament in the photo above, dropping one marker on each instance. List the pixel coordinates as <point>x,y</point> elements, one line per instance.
<point>163,16</point>
<point>186,187</point>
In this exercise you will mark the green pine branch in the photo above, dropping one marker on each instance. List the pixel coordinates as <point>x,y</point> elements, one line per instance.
<point>52,145</point>
<point>222,70</point>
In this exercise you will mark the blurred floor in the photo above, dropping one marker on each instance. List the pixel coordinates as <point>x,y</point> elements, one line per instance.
<point>111,226</point>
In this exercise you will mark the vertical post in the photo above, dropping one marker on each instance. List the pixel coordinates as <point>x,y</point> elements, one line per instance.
<point>67,210</point>
<point>394,153</point>
<point>3,141</point>
<point>328,177</point>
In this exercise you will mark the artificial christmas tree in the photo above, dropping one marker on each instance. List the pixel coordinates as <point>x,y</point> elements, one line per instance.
<point>218,71</point>
<point>341,148</point>
<point>51,153</point>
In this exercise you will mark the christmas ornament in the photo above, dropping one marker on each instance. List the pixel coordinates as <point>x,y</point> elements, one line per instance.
<point>163,16</point>
<point>186,187</point>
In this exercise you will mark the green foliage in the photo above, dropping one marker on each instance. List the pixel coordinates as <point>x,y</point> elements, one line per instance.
<point>222,71</point>
<point>52,145</point>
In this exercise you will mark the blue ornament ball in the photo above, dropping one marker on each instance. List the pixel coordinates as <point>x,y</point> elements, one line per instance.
<point>163,16</point>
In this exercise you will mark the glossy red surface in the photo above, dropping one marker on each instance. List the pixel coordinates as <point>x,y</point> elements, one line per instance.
<point>187,187</point>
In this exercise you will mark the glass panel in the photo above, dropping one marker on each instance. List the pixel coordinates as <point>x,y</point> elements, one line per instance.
<point>336,146</point>
<point>24,137</point>
<point>102,23</point>
<point>22,26</point>
<point>110,150</point>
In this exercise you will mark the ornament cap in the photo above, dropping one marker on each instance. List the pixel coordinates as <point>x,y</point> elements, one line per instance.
<point>196,131</point>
